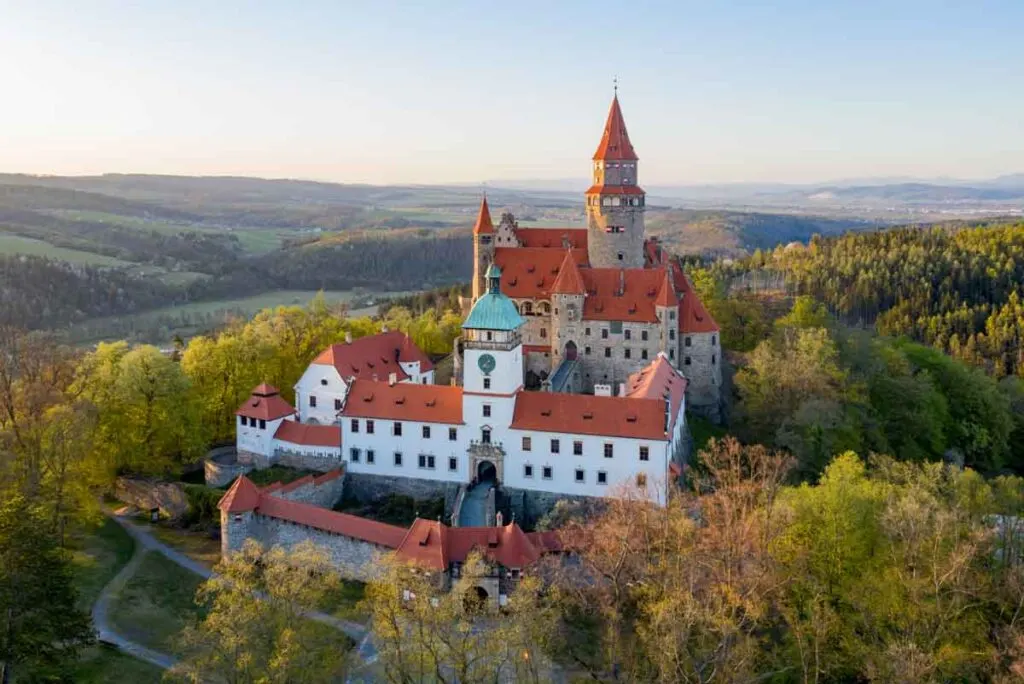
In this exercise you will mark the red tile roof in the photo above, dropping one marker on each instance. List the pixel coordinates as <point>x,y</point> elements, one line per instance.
<point>666,293</point>
<point>553,238</point>
<point>615,190</point>
<point>483,220</point>
<point>420,403</point>
<point>242,496</point>
<point>265,403</point>
<point>374,356</point>
<point>530,272</point>
<point>569,280</point>
<point>309,435</point>
<point>434,545</point>
<point>389,536</point>
<point>638,287</point>
<point>584,414</point>
<point>693,317</point>
<point>615,143</point>
<point>659,380</point>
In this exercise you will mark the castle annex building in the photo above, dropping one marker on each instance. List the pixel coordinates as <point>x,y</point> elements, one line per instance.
<point>601,302</point>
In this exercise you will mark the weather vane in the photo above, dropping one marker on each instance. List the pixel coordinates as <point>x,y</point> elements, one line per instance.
<point>615,84</point>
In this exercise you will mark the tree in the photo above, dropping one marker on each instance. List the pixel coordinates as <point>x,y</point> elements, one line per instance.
<point>256,629</point>
<point>427,634</point>
<point>41,627</point>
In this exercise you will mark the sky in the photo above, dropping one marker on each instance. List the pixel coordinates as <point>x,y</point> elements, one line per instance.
<point>445,92</point>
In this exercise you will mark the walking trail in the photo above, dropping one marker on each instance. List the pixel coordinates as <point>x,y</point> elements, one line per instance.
<point>144,541</point>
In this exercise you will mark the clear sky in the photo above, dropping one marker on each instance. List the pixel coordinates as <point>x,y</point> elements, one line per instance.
<point>431,92</point>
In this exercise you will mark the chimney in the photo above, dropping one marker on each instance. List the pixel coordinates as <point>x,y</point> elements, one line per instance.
<point>622,389</point>
<point>348,337</point>
<point>498,519</point>
<point>622,283</point>
<point>392,379</point>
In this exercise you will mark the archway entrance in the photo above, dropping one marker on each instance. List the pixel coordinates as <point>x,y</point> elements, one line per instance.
<point>570,351</point>
<point>475,599</point>
<point>486,472</point>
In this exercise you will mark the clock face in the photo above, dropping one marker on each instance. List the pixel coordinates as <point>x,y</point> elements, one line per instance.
<point>486,363</point>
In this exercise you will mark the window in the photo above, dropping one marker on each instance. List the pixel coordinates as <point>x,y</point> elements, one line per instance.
<point>577,448</point>
<point>398,458</point>
<point>426,432</point>
<point>607,352</point>
<point>485,435</point>
<point>641,480</point>
<point>712,359</point>
<point>353,455</point>
<point>396,430</point>
<point>625,353</point>
<point>487,383</point>
<point>586,351</point>
<point>714,340</point>
<point>370,456</point>
<point>609,450</point>
<point>263,424</point>
<point>243,421</point>
<point>604,333</point>
<point>253,422</point>
<point>490,336</point>
<point>426,461</point>
<point>323,381</point>
<point>487,410</point>
<point>587,332</point>
<point>579,474</point>
<point>527,444</point>
<point>369,427</point>
<point>543,333</point>
<point>671,353</point>
<point>337,404</point>
<point>643,335</point>
<point>672,315</point>
<point>687,341</point>
<point>671,333</point>
<point>527,471</point>
<point>554,446</point>
<point>355,425</point>
<point>645,454</point>
<point>686,361</point>
<point>643,353</point>
<point>452,434</point>
<point>312,401</point>
<point>627,334</point>
<point>453,463</point>
<point>602,477</point>
<point>546,472</point>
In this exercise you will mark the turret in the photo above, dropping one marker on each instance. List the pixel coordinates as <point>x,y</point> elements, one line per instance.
<point>483,249</point>
<point>666,307</point>
<point>567,296</point>
<point>615,202</point>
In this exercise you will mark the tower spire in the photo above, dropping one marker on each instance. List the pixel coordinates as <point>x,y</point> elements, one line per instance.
<point>615,144</point>
<point>483,219</point>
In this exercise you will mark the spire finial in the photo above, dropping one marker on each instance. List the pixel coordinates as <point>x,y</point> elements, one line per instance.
<point>615,85</point>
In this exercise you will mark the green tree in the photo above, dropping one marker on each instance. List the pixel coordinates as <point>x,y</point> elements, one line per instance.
<point>41,627</point>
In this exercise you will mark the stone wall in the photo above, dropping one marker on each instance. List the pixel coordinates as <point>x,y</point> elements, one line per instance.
<point>366,488</point>
<point>221,466</point>
<point>323,491</point>
<point>704,373</point>
<point>306,460</point>
<point>527,506</point>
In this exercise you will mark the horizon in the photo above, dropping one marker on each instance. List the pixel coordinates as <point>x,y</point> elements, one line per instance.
<point>798,95</point>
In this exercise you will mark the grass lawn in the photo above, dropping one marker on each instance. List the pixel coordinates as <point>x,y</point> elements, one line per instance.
<point>275,473</point>
<point>197,545</point>
<point>107,665</point>
<point>16,244</point>
<point>703,430</point>
<point>156,604</point>
<point>96,556</point>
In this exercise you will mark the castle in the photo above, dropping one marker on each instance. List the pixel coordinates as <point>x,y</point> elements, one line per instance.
<point>579,357</point>
<point>601,302</point>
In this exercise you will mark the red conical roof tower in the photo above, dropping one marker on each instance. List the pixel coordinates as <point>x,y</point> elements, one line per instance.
<point>569,280</point>
<point>615,143</point>
<point>667,293</point>
<point>483,220</point>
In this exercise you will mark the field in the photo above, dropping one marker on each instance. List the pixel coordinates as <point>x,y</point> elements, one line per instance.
<point>107,665</point>
<point>16,244</point>
<point>96,557</point>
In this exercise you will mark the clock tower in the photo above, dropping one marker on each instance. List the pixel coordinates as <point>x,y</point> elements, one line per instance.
<point>493,342</point>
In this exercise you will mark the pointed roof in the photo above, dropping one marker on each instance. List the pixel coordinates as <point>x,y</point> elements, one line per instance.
<point>265,403</point>
<point>569,280</point>
<point>615,143</point>
<point>693,316</point>
<point>667,293</point>
<point>242,497</point>
<point>483,220</point>
<point>265,390</point>
<point>374,356</point>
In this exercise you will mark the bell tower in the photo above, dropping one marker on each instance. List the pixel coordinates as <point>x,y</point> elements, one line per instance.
<point>483,249</point>
<point>615,202</point>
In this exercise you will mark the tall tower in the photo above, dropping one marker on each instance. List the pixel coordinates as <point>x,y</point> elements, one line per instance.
<point>615,203</point>
<point>483,249</point>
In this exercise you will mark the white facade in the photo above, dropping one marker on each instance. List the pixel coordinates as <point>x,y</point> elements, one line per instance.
<point>320,394</point>
<point>384,444</point>
<point>258,438</point>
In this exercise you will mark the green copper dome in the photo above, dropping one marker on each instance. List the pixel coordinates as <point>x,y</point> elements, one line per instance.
<point>493,311</point>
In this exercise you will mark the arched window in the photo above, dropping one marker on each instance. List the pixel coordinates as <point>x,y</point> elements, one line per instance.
<point>527,308</point>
